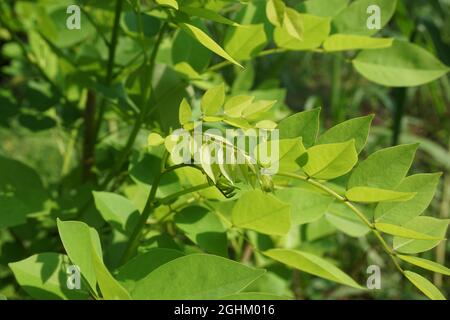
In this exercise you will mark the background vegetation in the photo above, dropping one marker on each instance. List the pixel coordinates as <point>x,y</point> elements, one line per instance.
<point>76,108</point>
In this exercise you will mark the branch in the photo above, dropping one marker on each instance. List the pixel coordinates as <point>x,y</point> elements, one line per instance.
<point>140,120</point>
<point>352,207</point>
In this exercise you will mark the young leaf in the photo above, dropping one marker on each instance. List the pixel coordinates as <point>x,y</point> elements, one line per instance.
<point>237,104</point>
<point>207,161</point>
<point>44,275</point>
<point>344,42</point>
<point>245,42</point>
<point>427,225</point>
<point>256,108</point>
<point>312,264</point>
<point>284,155</point>
<point>154,139</point>
<point>385,168</point>
<point>306,206</point>
<point>185,112</point>
<point>424,285</point>
<point>168,3</point>
<point>263,213</point>
<point>403,232</point>
<point>205,40</point>
<point>275,11</point>
<point>315,31</point>
<point>196,277</point>
<point>424,185</point>
<point>357,129</point>
<point>293,24</point>
<point>212,100</point>
<point>425,264</point>
<point>324,8</point>
<point>330,161</point>
<point>208,14</point>
<point>117,210</point>
<point>303,124</point>
<point>401,65</point>
<point>370,195</point>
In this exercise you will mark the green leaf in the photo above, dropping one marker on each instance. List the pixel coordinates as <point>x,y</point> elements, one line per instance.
<point>403,232</point>
<point>293,24</point>
<point>144,169</point>
<point>83,247</point>
<point>117,210</point>
<point>357,129</point>
<point>154,139</point>
<point>237,104</point>
<point>353,19</point>
<point>168,3</point>
<point>343,42</point>
<point>315,31</point>
<point>385,168</point>
<point>191,52</point>
<point>312,264</point>
<point>208,14</point>
<point>207,161</point>
<point>401,212</point>
<point>203,228</point>
<point>245,42</point>
<point>150,24</point>
<point>275,10</point>
<point>142,265</point>
<point>22,193</point>
<point>401,65</point>
<point>80,241</point>
<point>303,124</point>
<point>324,8</point>
<point>283,157</point>
<point>345,220</point>
<point>427,225</point>
<point>369,195</point>
<point>206,41</point>
<point>196,277</point>
<point>255,109</point>
<point>306,206</point>
<point>425,264</point>
<point>262,212</point>
<point>424,285</point>
<point>213,99</point>
<point>185,112</point>
<point>330,161</point>
<point>44,276</point>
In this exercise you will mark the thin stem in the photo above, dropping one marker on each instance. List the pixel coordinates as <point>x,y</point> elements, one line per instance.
<point>264,53</point>
<point>96,26</point>
<point>111,60</point>
<point>184,192</point>
<point>352,207</point>
<point>150,205</point>
<point>141,118</point>
<point>26,53</point>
